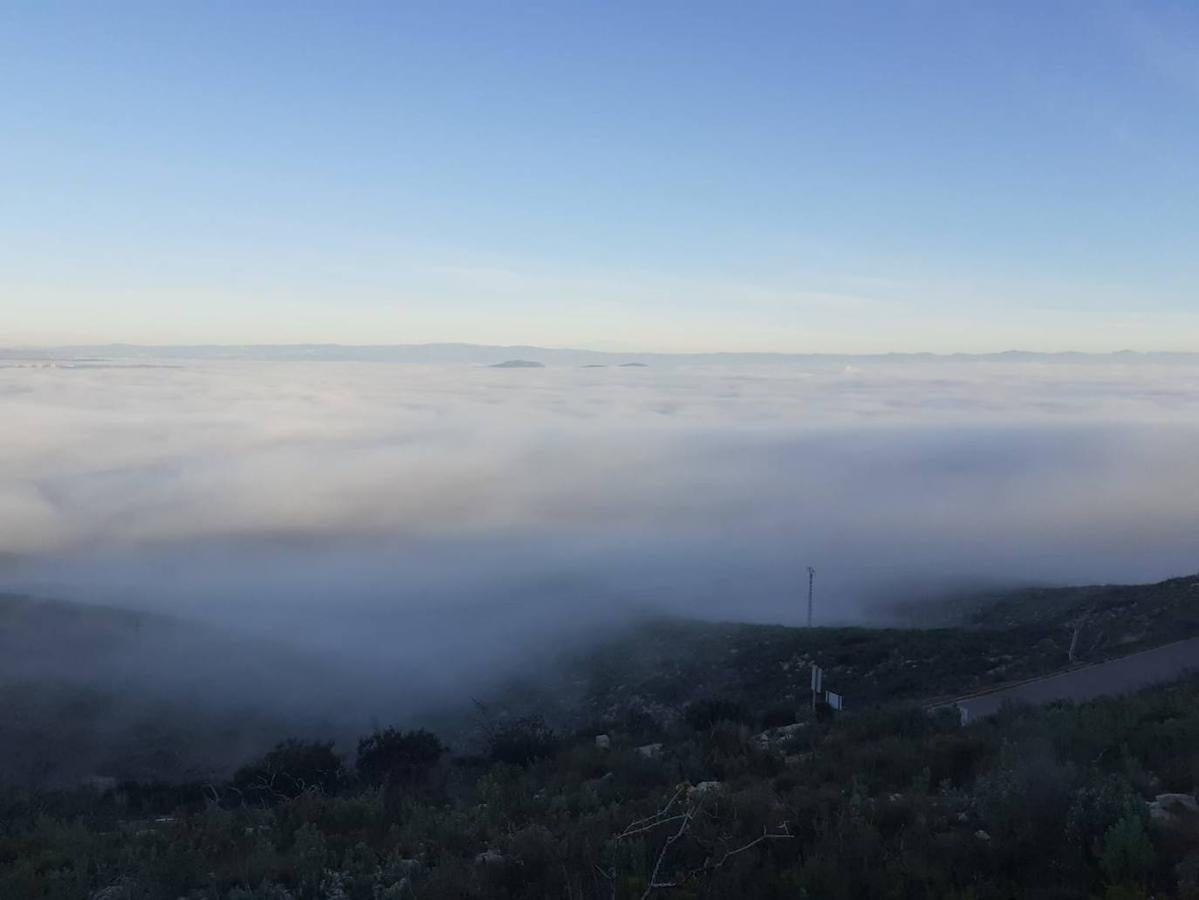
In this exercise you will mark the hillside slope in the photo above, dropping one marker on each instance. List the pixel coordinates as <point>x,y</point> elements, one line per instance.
<point>96,690</point>
<point>657,668</point>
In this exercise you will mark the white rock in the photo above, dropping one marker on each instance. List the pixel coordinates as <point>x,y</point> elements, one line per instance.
<point>99,783</point>
<point>778,735</point>
<point>602,741</point>
<point>1171,807</point>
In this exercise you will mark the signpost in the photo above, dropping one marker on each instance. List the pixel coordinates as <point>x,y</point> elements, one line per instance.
<point>833,699</point>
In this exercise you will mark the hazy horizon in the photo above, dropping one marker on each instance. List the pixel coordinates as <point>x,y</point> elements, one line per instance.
<point>244,347</point>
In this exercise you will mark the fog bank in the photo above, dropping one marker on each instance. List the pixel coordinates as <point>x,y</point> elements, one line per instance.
<point>445,519</point>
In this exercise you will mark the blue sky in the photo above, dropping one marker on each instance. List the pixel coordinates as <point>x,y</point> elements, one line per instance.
<point>649,175</point>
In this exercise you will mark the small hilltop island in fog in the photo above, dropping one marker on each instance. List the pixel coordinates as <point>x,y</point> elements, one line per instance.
<point>517,364</point>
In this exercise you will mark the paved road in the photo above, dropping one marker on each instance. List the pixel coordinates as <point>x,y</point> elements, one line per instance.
<point>1117,676</point>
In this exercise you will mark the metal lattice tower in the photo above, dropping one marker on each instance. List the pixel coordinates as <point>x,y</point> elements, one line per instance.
<point>811,592</point>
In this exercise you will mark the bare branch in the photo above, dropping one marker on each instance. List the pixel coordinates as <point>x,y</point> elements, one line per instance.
<point>685,819</point>
<point>649,826</point>
<point>610,877</point>
<point>658,818</point>
<point>654,884</point>
<point>784,833</point>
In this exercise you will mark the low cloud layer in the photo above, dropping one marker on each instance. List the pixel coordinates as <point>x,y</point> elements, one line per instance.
<point>449,518</point>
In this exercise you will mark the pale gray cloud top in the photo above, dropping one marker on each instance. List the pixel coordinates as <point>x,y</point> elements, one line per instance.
<point>745,459</point>
<point>454,521</point>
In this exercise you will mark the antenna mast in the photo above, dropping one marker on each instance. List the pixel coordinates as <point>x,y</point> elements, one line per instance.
<point>811,591</point>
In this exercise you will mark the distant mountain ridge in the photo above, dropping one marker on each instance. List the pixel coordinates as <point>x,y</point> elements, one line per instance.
<point>488,355</point>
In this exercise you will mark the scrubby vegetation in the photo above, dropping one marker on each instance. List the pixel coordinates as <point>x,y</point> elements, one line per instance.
<point>1062,802</point>
<point>980,643</point>
<point>685,760</point>
<point>291,769</point>
<point>63,723</point>
<point>391,756</point>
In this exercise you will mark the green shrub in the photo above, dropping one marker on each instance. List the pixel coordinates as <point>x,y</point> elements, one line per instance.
<point>398,756</point>
<point>703,714</point>
<point>777,716</point>
<point>290,769</point>
<point>521,742</point>
<point>1127,856</point>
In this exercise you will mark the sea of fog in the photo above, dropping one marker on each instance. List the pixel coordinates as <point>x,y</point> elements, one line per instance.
<point>458,517</point>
